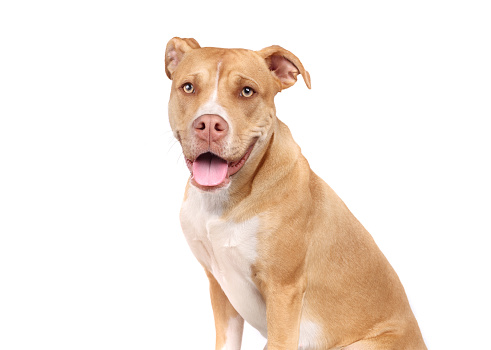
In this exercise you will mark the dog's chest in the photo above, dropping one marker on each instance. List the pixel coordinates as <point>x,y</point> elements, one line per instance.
<point>227,249</point>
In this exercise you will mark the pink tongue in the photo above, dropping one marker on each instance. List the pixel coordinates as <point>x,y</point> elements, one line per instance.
<point>209,170</point>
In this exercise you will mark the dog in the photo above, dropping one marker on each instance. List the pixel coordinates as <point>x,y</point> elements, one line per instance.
<point>280,248</point>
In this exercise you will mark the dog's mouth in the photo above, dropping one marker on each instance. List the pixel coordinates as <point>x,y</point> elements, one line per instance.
<point>209,171</point>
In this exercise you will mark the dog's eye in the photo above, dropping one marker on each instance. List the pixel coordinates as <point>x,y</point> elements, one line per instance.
<point>188,88</point>
<point>247,92</point>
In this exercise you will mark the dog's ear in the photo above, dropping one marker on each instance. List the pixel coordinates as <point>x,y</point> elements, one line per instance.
<point>284,65</point>
<point>175,51</point>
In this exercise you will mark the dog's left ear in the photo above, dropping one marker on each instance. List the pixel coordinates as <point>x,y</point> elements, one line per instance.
<point>175,51</point>
<point>284,65</point>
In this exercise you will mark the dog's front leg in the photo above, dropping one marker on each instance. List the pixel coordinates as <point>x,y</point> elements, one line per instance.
<point>283,310</point>
<point>229,325</point>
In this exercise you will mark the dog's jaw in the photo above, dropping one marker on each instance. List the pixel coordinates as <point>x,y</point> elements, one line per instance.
<point>210,172</point>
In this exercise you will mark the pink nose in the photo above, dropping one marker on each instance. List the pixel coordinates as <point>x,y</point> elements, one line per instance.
<point>210,127</point>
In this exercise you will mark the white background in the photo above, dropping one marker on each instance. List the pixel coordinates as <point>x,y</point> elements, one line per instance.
<point>397,122</point>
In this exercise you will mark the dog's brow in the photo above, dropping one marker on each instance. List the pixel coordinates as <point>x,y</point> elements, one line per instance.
<point>195,74</point>
<point>245,77</point>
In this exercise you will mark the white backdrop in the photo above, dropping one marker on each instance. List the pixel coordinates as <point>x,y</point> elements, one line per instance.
<point>397,122</point>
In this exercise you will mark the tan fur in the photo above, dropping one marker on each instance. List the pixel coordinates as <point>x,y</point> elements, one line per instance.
<point>313,254</point>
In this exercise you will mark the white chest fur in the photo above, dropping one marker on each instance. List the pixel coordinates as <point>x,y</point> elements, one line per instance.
<point>227,249</point>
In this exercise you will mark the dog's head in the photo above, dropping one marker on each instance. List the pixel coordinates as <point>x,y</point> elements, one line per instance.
<point>221,106</point>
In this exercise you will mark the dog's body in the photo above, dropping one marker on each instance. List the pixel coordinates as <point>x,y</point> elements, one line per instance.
<point>280,248</point>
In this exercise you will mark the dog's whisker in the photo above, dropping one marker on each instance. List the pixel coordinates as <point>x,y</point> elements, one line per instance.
<point>179,157</point>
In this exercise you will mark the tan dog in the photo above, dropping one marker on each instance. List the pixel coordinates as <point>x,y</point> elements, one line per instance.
<point>280,248</point>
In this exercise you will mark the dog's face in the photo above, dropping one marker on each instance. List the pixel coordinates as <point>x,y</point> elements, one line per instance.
<point>221,106</point>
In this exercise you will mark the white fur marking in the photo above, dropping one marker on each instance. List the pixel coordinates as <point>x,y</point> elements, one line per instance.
<point>227,249</point>
<point>212,106</point>
<point>309,335</point>
<point>235,329</point>
<point>214,96</point>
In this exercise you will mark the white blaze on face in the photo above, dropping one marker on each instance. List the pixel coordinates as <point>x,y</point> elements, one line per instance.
<point>214,96</point>
<point>209,170</point>
<point>212,106</point>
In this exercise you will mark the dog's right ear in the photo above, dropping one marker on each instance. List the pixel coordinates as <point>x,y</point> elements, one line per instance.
<point>175,51</point>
